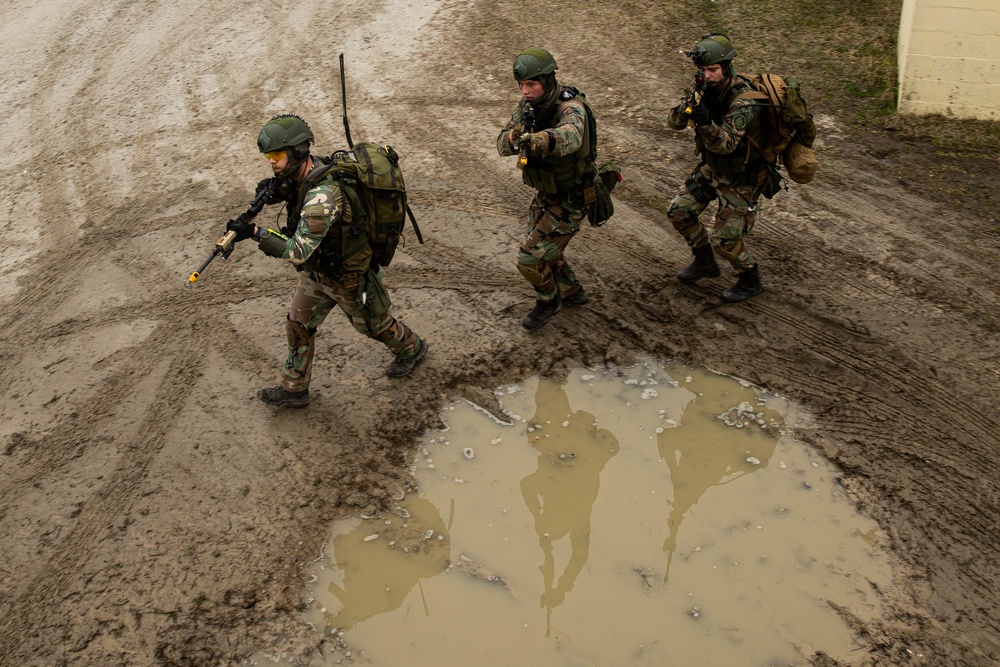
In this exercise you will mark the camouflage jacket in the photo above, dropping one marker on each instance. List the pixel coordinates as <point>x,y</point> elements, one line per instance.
<point>566,122</point>
<point>724,144</point>
<point>323,238</point>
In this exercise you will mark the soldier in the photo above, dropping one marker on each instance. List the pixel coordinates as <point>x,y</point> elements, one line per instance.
<point>333,260</point>
<point>553,129</point>
<point>732,170</point>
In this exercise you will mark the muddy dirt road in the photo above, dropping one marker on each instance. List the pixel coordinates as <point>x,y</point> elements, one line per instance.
<point>153,511</point>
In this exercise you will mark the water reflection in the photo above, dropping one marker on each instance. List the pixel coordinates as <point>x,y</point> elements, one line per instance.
<point>701,455</point>
<point>560,493</point>
<point>376,581</point>
<point>582,506</point>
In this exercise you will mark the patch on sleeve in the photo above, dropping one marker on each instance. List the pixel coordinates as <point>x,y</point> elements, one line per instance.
<point>319,205</point>
<point>740,121</point>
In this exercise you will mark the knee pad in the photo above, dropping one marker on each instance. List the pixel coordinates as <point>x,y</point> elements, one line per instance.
<point>728,250</point>
<point>682,219</point>
<point>536,274</point>
<point>299,335</point>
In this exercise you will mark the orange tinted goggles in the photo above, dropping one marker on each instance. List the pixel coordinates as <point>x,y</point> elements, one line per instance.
<point>276,156</point>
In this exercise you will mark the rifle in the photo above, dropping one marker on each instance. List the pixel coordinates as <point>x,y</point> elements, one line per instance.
<point>350,144</point>
<point>529,126</point>
<point>699,90</point>
<point>227,242</point>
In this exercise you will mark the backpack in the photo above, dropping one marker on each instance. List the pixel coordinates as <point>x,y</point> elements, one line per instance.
<point>789,126</point>
<point>372,181</point>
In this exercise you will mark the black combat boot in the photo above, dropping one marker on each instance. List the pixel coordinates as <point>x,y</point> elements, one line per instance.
<point>703,266</point>
<point>403,365</point>
<point>747,285</point>
<point>541,313</point>
<point>279,398</point>
<point>577,298</point>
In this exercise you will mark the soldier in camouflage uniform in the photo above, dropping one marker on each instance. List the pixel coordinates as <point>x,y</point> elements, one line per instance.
<point>557,148</point>
<point>334,262</point>
<point>732,170</point>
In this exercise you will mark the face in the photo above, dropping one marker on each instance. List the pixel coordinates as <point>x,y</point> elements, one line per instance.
<point>278,160</point>
<point>713,73</point>
<point>532,90</point>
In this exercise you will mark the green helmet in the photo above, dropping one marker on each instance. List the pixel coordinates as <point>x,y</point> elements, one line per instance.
<point>534,63</point>
<point>713,48</point>
<point>286,131</point>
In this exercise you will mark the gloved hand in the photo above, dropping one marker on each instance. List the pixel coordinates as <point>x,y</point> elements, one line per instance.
<point>537,142</point>
<point>244,230</point>
<point>513,138</point>
<point>700,116</point>
<point>277,194</point>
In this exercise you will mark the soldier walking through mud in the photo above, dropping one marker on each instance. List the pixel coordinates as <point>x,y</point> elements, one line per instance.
<point>732,170</point>
<point>551,132</point>
<point>333,259</point>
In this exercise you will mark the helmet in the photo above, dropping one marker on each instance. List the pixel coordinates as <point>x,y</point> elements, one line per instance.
<point>713,48</point>
<point>534,63</point>
<point>286,131</point>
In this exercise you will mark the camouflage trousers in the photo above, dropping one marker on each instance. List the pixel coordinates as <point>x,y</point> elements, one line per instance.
<point>552,223</point>
<point>364,300</point>
<point>733,221</point>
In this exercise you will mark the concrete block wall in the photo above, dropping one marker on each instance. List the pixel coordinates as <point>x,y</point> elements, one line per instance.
<point>949,58</point>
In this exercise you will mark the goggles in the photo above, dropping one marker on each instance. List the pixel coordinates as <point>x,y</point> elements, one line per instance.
<point>276,156</point>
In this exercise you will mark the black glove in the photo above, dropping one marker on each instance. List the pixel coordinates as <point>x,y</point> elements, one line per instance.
<point>700,116</point>
<point>244,230</point>
<point>277,192</point>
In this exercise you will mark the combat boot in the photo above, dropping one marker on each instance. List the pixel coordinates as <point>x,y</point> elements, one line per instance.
<point>747,285</point>
<point>402,366</point>
<point>703,266</point>
<point>577,298</point>
<point>279,398</point>
<point>541,313</point>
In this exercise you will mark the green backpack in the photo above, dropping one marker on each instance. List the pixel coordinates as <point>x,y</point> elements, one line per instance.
<point>789,125</point>
<point>371,179</point>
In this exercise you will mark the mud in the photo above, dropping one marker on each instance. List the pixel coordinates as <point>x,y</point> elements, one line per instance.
<point>153,511</point>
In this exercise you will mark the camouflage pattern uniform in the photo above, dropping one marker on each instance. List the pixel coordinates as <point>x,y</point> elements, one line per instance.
<point>731,170</point>
<point>557,210</point>
<point>333,260</point>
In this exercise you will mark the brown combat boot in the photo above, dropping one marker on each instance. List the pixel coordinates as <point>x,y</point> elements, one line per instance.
<point>577,298</point>
<point>403,365</point>
<point>541,313</point>
<point>279,398</point>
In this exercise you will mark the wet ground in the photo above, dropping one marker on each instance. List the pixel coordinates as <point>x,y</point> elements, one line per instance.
<point>654,515</point>
<point>137,468</point>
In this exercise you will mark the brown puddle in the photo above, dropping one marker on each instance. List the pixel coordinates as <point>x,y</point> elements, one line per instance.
<point>614,519</point>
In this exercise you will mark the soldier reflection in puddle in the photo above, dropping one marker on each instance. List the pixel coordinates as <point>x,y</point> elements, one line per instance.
<point>560,494</point>
<point>703,451</point>
<point>377,579</point>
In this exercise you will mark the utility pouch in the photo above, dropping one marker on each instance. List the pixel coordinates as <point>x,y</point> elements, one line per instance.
<point>371,293</point>
<point>603,207</point>
<point>772,182</point>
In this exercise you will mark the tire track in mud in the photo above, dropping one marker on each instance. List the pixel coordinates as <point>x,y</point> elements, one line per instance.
<point>180,318</point>
<point>936,433</point>
<point>54,579</point>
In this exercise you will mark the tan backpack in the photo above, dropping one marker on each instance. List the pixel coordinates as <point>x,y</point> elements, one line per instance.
<point>789,126</point>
